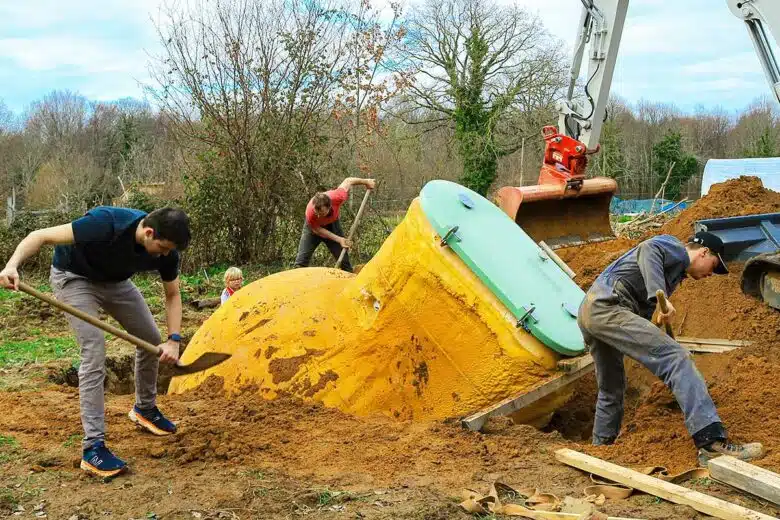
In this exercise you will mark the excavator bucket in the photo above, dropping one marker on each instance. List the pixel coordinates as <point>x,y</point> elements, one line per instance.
<point>559,215</point>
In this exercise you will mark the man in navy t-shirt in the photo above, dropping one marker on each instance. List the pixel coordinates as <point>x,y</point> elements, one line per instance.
<point>94,258</point>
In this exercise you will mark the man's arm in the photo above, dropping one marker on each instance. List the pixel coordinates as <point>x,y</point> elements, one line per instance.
<point>352,181</point>
<point>29,246</point>
<point>650,257</point>
<point>170,348</point>
<point>324,233</point>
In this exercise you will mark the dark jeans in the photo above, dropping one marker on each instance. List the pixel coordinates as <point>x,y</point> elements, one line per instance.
<point>612,331</point>
<point>310,241</point>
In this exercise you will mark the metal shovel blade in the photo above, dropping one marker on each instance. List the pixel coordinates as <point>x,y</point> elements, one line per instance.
<point>204,362</point>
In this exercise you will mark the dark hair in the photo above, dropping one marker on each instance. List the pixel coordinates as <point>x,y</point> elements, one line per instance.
<point>321,200</point>
<point>170,224</point>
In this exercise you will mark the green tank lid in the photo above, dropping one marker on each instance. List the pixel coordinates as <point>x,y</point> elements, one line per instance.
<point>534,289</point>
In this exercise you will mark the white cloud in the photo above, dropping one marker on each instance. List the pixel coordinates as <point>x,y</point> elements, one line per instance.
<point>97,47</point>
<point>87,55</point>
<point>723,84</point>
<point>738,63</point>
<point>40,14</point>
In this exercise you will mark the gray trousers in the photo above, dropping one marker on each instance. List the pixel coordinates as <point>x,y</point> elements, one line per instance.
<point>123,301</point>
<point>310,241</point>
<point>611,331</point>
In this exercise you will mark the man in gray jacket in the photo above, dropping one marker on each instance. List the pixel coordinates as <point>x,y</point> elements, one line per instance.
<point>615,321</point>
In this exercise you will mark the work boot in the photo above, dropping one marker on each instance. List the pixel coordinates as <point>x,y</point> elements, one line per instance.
<point>152,420</point>
<point>746,452</point>
<point>602,441</point>
<point>98,460</point>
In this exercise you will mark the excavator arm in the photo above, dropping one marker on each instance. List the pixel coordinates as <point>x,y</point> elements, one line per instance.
<point>758,15</point>
<point>565,207</point>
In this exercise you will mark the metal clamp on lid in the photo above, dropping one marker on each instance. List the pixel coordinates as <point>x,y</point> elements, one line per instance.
<point>449,235</point>
<point>528,313</point>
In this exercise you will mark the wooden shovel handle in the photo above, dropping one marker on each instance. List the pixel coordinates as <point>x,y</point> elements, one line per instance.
<point>353,227</point>
<point>661,297</point>
<point>154,349</point>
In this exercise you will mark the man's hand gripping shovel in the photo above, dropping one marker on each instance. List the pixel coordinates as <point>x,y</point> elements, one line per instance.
<point>204,362</point>
<point>663,305</point>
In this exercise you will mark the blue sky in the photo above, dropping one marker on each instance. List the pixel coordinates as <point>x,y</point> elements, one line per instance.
<point>691,52</point>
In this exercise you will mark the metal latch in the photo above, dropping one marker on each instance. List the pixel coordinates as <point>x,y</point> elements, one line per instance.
<point>570,309</point>
<point>528,314</point>
<point>449,234</point>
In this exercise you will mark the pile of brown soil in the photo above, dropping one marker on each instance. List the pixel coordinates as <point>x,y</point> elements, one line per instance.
<point>716,308</point>
<point>733,198</point>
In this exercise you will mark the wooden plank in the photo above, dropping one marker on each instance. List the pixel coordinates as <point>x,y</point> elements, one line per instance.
<point>476,421</point>
<point>707,349</point>
<point>573,369</point>
<point>747,477</point>
<point>713,341</point>
<point>672,492</point>
<point>554,515</point>
<point>575,363</point>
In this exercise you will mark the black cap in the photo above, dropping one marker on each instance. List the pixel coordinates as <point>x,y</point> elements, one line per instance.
<point>715,245</point>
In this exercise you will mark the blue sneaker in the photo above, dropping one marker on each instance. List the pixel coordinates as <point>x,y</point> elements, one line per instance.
<point>99,461</point>
<point>153,420</point>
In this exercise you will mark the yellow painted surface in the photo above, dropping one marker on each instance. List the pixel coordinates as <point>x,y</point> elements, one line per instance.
<point>415,335</point>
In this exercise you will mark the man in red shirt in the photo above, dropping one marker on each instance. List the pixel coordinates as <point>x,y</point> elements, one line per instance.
<point>322,223</point>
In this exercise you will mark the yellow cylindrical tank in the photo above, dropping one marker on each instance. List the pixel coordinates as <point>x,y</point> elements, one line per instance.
<point>415,335</point>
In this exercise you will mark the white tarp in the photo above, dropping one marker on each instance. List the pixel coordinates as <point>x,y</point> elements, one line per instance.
<point>719,170</point>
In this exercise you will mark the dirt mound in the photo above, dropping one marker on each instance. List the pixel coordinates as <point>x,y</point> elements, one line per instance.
<point>716,308</point>
<point>589,260</point>
<point>733,198</point>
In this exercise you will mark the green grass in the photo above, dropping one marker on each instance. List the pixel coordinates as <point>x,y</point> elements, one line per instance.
<point>327,497</point>
<point>6,295</point>
<point>7,499</point>
<point>255,473</point>
<point>6,441</point>
<point>8,448</point>
<point>702,482</point>
<point>40,349</point>
<point>71,440</point>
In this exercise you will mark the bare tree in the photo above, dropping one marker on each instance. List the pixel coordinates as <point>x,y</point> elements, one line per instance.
<point>59,118</point>
<point>7,119</point>
<point>477,60</point>
<point>757,130</point>
<point>248,83</point>
<point>369,81</point>
<point>256,88</point>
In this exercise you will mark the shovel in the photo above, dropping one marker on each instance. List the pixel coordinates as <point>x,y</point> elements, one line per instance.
<point>353,228</point>
<point>206,361</point>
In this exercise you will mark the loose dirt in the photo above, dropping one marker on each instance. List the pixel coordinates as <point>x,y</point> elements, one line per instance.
<point>246,457</point>
<point>733,198</point>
